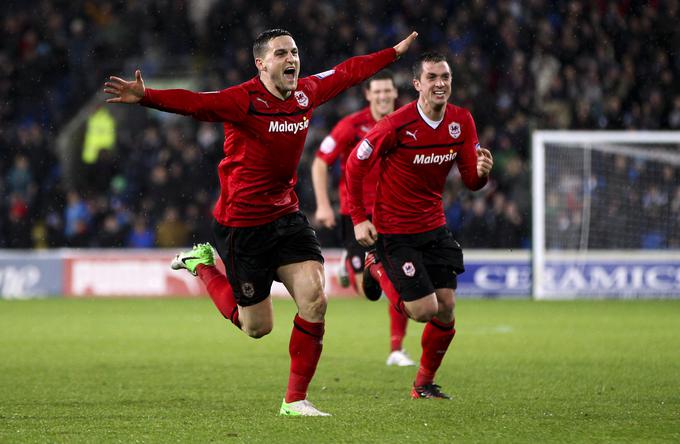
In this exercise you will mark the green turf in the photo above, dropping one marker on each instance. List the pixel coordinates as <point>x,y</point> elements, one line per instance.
<point>173,371</point>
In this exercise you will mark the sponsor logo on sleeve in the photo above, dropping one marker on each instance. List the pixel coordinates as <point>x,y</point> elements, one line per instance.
<point>328,144</point>
<point>454,129</point>
<point>323,75</point>
<point>365,150</point>
<point>301,98</point>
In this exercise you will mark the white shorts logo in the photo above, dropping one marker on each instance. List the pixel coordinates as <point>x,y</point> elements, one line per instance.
<point>454,129</point>
<point>356,262</point>
<point>365,150</point>
<point>301,98</point>
<point>408,269</point>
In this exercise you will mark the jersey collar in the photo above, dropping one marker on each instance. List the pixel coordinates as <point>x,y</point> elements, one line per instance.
<point>434,124</point>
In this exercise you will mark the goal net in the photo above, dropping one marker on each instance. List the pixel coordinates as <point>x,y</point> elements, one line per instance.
<point>606,214</point>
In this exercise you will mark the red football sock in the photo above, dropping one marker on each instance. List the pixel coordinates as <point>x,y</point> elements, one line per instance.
<point>306,342</point>
<point>397,328</point>
<point>378,273</point>
<point>220,292</point>
<point>435,341</point>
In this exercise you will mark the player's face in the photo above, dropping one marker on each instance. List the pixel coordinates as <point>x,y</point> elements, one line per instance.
<point>281,64</point>
<point>434,84</point>
<point>381,95</point>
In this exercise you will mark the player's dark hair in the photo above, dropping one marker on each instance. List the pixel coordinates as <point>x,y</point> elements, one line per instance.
<point>260,44</point>
<point>385,74</point>
<point>433,57</point>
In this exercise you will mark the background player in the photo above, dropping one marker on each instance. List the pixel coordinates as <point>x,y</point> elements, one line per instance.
<point>418,257</point>
<point>381,93</point>
<point>260,233</point>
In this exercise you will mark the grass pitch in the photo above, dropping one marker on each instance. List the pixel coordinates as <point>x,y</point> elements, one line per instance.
<point>174,371</point>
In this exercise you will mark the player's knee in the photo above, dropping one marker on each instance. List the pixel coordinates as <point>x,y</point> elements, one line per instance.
<point>446,308</point>
<point>423,313</point>
<point>257,331</point>
<point>314,308</point>
<point>318,306</point>
<point>424,316</point>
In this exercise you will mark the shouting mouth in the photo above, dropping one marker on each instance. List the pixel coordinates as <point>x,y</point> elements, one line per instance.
<point>289,73</point>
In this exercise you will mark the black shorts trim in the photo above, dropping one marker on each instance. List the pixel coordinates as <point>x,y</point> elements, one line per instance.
<point>251,255</point>
<point>417,264</point>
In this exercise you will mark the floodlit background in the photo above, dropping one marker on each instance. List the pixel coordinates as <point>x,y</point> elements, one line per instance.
<point>518,66</point>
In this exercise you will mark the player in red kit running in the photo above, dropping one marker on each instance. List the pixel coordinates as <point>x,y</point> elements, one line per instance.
<point>259,231</point>
<point>416,258</point>
<point>381,94</point>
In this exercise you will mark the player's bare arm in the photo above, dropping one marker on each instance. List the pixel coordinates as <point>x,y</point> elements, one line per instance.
<point>324,212</point>
<point>403,46</point>
<point>124,91</point>
<point>484,162</point>
<point>365,233</point>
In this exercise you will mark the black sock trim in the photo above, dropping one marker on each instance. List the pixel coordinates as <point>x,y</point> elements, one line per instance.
<point>442,327</point>
<point>297,326</point>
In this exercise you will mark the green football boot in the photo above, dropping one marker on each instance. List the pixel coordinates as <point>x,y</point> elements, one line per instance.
<point>300,408</point>
<point>189,260</point>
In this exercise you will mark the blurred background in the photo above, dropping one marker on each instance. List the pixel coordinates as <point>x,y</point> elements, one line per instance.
<point>75,172</point>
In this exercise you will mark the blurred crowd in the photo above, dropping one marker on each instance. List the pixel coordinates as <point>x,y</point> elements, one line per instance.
<point>626,201</point>
<point>517,65</point>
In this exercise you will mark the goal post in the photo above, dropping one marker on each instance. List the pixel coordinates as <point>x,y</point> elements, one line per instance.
<point>606,214</point>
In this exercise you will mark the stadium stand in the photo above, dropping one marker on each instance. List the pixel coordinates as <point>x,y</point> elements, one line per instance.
<point>517,66</point>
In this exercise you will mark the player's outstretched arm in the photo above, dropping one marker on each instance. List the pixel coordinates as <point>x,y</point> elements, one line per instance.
<point>403,46</point>
<point>124,91</point>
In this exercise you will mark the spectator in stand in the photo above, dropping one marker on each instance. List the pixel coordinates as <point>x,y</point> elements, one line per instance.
<point>171,231</point>
<point>77,217</point>
<point>141,236</point>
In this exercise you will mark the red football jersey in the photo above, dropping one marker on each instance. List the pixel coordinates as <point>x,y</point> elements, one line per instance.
<point>263,135</point>
<point>415,160</point>
<point>339,144</point>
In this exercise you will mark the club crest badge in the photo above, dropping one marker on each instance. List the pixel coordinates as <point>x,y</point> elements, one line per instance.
<point>356,262</point>
<point>454,129</point>
<point>302,99</point>
<point>247,289</point>
<point>409,269</point>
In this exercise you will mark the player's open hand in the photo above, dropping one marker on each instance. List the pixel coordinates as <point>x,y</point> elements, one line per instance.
<point>365,233</point>
<point>484,162</point>
<point>403,46</point>
<point>124,91</point>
